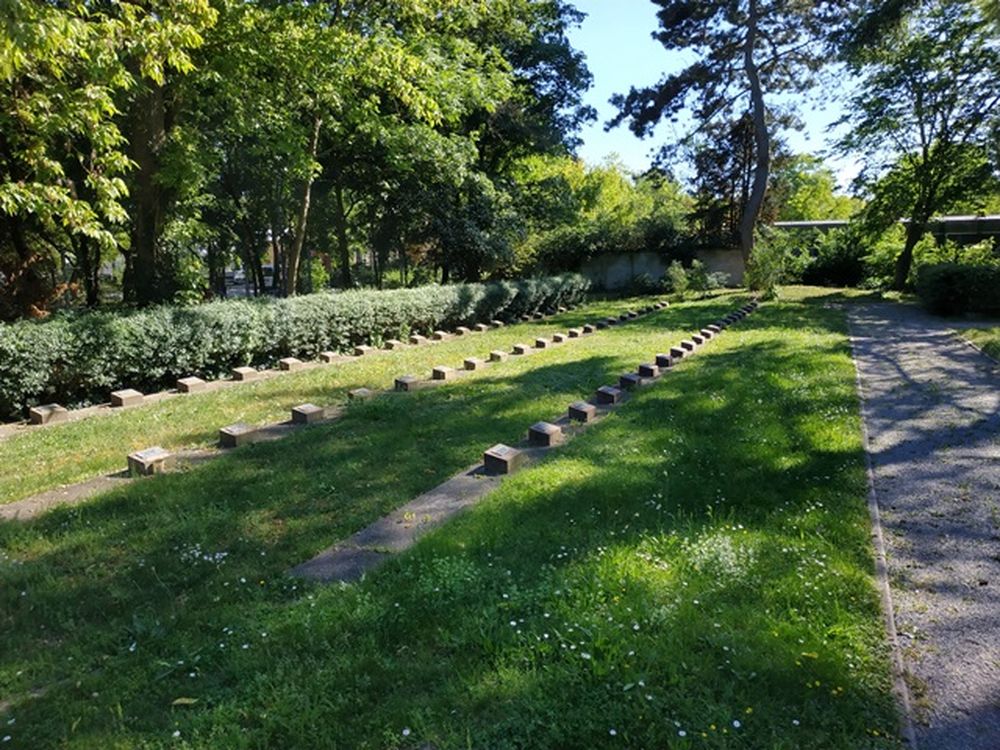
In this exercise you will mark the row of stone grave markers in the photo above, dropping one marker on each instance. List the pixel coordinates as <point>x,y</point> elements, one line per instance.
<point>157,459</point>
<point>349,559</point>
<point>49,414</point>
<point>504,459</point>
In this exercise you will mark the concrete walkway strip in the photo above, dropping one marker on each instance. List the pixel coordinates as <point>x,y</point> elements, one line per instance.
<point>931,406</point>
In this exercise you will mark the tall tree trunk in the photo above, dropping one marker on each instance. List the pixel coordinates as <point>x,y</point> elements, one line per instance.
<point>299,237</point>
<point>340,228</point>
<point>914,231</point>
<point>762,140</point>
<point>149,132</point>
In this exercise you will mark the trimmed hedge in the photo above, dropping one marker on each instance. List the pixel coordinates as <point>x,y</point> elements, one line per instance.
<point>955,288</point>
<point>80,358</point>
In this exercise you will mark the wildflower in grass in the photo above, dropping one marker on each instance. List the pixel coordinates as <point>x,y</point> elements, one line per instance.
<point>177,733</point>
<point>406,731</point>
<point>736,724</point>
<point>613,732</point>
<point>681,733</point>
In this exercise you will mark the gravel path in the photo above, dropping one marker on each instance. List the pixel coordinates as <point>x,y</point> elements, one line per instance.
<point>932,408</point>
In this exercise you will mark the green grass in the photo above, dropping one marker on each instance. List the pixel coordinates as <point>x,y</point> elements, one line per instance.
<point>706,547</point>
<point>64,454</point>
<point>987,339</point>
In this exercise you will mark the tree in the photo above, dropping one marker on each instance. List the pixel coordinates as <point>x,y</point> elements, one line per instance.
<point>746,51</point>
<point>804,188</point>
<point>923,118</point>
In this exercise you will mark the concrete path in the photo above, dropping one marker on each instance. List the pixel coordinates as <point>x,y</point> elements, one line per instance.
<point>932,408</point>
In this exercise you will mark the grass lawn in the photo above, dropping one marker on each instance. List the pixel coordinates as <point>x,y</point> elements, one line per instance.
<point>987,339</point>
<point>694,571</point>
<point>37,460</point>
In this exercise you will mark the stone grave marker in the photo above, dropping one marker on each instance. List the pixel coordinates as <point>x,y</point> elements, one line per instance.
<point>502,459</point>
<point>47,414</point>
<point>288,364</point>
<point>191,385</point>
<point>581,411</point>
<point>150,461</point>
<point>307,414</point>
<point>608,394</point>
<point>243,374</point>
<point>472,363</point>
<point>545,434</point>
<point>236,435</point>
<point>126,397</point>
<point>497,356</point>
<point>442,373</point>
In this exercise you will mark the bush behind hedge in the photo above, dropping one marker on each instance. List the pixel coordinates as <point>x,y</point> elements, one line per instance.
<point>76,359</point>
<point>957,288</point>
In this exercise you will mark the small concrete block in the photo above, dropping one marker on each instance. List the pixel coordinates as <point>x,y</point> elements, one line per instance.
<point>360,351</point>
<point>502,459</point>
<point>581,411</point>
<point>608,394</point>
<point>463,331</point>
<point>542,343</point>
<point>497,323</point>
<point>612,321</point>
<point>623,317</point>
<point>480,328</point>
<point>698,339</point>
<point>47,414</point>
<point>416,339</point>
<point>545,434</point>
<point>602,324</point>
<point>360,394</point>
<point>649,371</point>
<point>561,309</point>
<point>713,328</point>
<point>632,314</point>
<point>473,364</point>
<point>677,352</point>
<point>150,461</point>
<point>289,364</point>
<point>574,333</point>
<point>521,349</point>
<point>127,397</point>
<point>442,373</point>
<point>393,344</point>
<point>559,338</point>
<point>440,335</point>
<point>406,383</point>
<point>688,346</point>
<point>707,334</point>
<point>328,357</point>
<point>191,385</point>
<point>244,374</point>
<point>589,328</point>
<point>629,380</point>
<point>538,315</point>
<point>525,318</point>
<point>664,360</point>
<point>307,414</point>
<point>236,435</point>
<point>498,356</point>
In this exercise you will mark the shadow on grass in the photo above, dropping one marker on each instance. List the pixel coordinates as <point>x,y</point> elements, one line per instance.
<point>127,598</point>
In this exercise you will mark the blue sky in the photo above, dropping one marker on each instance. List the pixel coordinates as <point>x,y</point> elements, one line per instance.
<point>621,53</point>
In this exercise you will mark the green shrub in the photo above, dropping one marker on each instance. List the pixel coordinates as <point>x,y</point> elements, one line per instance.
<point>676,278</point>
<point>79,359</point>
<point>766,269</point>
<point>954,288</point>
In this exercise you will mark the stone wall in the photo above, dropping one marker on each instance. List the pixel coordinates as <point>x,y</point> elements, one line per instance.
<point>616,270</point>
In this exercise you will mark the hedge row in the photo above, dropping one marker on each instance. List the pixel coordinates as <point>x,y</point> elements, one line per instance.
<point>954,288</point>
<point>79,359</point>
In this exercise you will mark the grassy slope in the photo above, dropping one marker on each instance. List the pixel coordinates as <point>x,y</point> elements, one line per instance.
<point>987,339</point>
<point>42,459</point>
<point>706,548</point>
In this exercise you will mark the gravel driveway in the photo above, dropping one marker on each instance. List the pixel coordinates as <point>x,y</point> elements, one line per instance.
<point>932,408</point>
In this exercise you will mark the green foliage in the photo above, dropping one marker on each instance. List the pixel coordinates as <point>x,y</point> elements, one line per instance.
<point>577,213</point>
<point>81,358</point>
<point>803,188</point>
<point>676,279</point>
<point>953,288</point>
<point>766,269</point>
